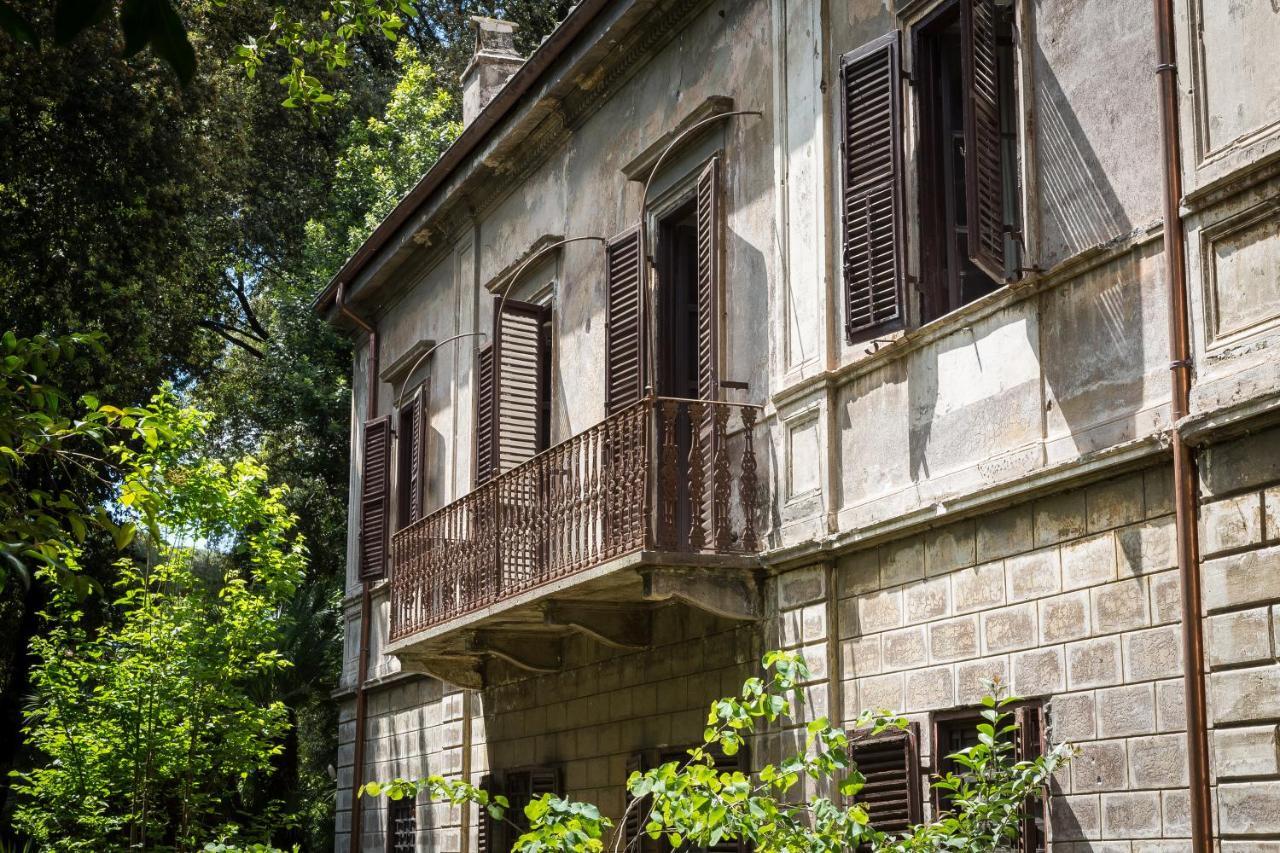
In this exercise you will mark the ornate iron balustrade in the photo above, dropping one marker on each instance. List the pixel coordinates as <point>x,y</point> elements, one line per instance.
<point>665,474</point>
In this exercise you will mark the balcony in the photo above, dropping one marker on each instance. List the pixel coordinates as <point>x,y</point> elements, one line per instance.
<point>659,501</point>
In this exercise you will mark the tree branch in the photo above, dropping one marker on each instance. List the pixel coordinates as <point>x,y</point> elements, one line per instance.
<point>224,332</point>
<point>243,298</point>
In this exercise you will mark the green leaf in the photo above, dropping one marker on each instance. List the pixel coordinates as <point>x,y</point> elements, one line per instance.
<point>71,17</point>
<point>156,22</point>
<point>18,27</point>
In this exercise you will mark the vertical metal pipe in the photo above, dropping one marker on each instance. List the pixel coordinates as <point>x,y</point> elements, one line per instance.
<point>1184,474</point>
<point>362,650</point>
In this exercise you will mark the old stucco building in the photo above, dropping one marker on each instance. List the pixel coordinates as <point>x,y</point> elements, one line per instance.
<point>840,327</point>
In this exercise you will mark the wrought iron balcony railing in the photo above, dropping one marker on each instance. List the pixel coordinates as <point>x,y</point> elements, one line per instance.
<point>665,475</point>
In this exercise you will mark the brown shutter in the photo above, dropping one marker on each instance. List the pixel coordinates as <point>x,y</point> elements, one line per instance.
<point>486,826</point>
<point>872,209</point>
<point>518,356</point>
<point>890,762</point>
<point>411,451</point>
<point>1030,745</point>
<point>741,760</point>
<point>984,172</point>
<point>374,498</point>
<point>402,825</point>
<point>632,827</point>
<point>624,322</point>
<point>484,416</point>
<point>709,250</point>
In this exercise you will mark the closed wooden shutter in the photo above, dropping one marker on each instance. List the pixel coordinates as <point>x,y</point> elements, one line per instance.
<point>375,498</point>
<point>520,787</point>
<point>872,209</point>
<point>709,254</point>
<point>741,760</point>
<point>412,452</point>
<point>484,416</point>
<point>984,169</point>
<point>624,322</point>
<point>890,762</point>
<point>520,349</point>
<point>1030,745</point>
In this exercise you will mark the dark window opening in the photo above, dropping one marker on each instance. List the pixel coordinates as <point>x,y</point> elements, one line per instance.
<point>402,825</point>
<point>969,223</point>
<point>956,732</point>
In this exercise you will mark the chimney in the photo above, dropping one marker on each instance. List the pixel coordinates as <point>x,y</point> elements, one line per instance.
<point>494,62</point>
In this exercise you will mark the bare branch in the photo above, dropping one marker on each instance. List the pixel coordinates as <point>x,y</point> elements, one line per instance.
<point>224,332</point>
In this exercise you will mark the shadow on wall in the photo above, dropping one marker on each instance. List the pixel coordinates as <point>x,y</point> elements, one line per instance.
<point>1078,206</point>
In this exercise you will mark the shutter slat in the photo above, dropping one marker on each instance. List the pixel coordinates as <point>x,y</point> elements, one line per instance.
<point>891,794</point>
<point>984,168</point>
<point>624,322</point>
<point>375,498</point>
<point>872,185</point>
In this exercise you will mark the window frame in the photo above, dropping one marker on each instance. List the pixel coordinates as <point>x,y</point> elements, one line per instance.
<point>970,716</point>
<point>413,406</point>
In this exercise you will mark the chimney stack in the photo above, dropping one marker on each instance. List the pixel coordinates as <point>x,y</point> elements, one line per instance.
<point>494,62</point>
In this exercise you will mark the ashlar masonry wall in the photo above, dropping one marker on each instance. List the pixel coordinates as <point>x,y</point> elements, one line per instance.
<point>1240,580</point>
<point>1072,598</point>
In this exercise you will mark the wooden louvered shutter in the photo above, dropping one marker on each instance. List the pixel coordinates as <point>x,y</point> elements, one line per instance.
<point>983,161</point>
<point>375,498</point>
<point>890,762</point>
<point>486,826</point>
<point>402,825</point>
<point>709,249</point>
<point>484,416</point>
<point>872,209</point>
<point>411,444</point>
<point>519,352</point>
<point>1029,743</point>
<point>727,764</point>
<point>635,818</point>
<point>624,322</point>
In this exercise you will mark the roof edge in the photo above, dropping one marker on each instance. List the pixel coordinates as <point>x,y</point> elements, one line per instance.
<point>472,135</point>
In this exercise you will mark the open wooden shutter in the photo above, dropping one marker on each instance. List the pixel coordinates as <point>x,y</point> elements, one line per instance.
<point>890,762</point>
<point>411,444</point>
<point>872,209</point>
<point>519,351</point>
<point>624,322</point>
<point>375,498</point>
<point>485,825</point>
<point>709,254</point>
<point>1030,744</point>
<point>984,170</point>
<point>632,826</point>
<point>484,416</point>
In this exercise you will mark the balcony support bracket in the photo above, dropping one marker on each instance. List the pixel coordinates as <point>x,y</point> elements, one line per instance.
<point>462,670</point>
<point>619,625</point>
<point>536,652</point>
<point>731,593</point>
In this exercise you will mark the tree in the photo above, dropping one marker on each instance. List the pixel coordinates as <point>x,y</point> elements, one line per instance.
<point>690,805</point>
<point>148,727</point>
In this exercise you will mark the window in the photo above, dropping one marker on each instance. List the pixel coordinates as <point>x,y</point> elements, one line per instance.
<point>402,825</point>
<point>513,395</point>
<point>411,453</point>
<point>633,827</point>
<point>964,69</point>
<point>520,787</point>
<point>891,764</point>
<point>956,731</point>
<point>966,93</point>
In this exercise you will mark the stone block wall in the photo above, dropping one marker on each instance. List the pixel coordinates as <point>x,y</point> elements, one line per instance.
<point>606,705</point>
<point>1071,598</point>
<point>414,728</point>
<point>1240,582</point>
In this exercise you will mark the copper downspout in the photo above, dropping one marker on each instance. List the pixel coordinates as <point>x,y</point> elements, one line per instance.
<point>1184,473</point>
<point>362,667</point>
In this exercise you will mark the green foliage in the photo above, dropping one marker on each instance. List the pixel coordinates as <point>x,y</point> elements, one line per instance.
<point>690,804</point>
<point>148,727</point>
<point>41,522</point>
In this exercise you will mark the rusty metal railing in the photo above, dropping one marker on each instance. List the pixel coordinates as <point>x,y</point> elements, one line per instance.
<point>665,474</point>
